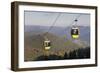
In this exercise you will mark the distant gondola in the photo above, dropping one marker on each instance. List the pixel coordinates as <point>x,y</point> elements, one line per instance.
<point>47,44</point>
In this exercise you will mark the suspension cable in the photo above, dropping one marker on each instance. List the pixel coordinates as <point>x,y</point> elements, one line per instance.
<point>74,20</point>
<point>56,21</point>
<point>53,23</point>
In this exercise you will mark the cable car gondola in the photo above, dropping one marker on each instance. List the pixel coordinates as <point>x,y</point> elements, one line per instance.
<point>47,44</point>
<point>75,31</point>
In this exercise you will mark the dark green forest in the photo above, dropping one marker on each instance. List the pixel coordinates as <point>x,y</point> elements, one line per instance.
<point>81,53</point>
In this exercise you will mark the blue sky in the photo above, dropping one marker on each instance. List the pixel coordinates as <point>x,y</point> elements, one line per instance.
<point>48,18</point>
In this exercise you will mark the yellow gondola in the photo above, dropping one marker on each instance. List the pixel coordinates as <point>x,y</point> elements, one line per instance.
<point>47,44</point>
<point>75,32</point>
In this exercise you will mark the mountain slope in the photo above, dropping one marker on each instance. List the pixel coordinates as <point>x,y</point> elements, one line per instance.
<point>34,46</point>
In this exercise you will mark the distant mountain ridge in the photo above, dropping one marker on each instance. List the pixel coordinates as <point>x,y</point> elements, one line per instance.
<point>60,31</point>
